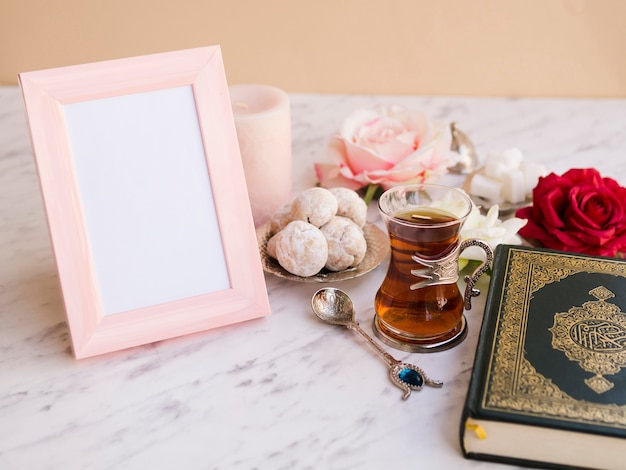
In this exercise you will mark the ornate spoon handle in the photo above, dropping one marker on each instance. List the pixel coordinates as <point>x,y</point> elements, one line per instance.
<point>405,376</point>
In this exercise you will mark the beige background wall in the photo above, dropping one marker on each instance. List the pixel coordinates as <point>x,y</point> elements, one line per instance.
<point>561,48</point>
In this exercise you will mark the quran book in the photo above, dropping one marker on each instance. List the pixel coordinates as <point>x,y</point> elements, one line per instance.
<point>548,386</point>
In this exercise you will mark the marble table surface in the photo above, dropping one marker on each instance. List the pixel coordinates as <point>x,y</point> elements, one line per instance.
<point>282,392</point>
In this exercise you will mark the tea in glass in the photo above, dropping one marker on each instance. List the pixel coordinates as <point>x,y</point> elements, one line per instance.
<point>419,306</point>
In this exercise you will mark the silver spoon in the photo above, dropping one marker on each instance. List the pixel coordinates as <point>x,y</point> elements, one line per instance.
<point>334,306</point>
<point>461,144</point>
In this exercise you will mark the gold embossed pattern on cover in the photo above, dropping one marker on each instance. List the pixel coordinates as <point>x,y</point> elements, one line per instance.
<point>593,335</point>
<point>513,382</point>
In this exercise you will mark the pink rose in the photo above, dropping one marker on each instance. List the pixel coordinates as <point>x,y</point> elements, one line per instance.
<point>386,146</point>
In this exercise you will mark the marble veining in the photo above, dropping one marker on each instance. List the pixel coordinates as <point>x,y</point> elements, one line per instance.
<point>283,392</point>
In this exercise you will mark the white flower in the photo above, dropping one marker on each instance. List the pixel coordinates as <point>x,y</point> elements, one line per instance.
<point>490,229</point>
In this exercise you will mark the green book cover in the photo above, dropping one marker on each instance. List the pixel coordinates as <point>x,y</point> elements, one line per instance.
<point>548,387</point>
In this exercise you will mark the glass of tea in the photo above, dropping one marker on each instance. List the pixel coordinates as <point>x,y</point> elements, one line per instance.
<point>419,307</point>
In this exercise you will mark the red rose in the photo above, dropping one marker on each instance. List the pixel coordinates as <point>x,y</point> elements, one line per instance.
<point>579,211</point>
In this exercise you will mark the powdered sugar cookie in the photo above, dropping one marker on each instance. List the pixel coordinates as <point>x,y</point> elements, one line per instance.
<point>350,205</point>
<point>301,248</point>
<point>346,243</point>
<point>315,206</point>
<point>280,219</point>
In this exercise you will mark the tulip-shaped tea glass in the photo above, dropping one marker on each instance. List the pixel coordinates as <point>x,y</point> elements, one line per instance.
<point>419,307</point>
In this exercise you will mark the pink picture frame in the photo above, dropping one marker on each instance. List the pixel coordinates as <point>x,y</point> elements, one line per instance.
<point>145,198</point>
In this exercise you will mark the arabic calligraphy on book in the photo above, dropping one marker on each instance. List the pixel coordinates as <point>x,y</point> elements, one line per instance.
<point>593,335</point>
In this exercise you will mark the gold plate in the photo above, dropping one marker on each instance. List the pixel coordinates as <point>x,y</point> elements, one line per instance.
<point>377,250</point>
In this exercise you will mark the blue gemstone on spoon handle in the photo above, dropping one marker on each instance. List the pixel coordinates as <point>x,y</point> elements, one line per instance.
<point>411,377</point>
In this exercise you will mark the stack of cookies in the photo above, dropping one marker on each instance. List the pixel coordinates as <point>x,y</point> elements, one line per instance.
<point>319,229</point>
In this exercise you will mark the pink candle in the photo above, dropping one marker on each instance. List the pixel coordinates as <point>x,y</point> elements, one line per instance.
<point>263,123</point>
